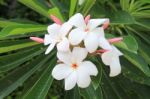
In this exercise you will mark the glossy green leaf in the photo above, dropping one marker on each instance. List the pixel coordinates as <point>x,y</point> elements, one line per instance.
<point>138,61</point>
<point>134,73</point>
<point>73,94</point>
<point>11,61</point>
<point>18,76</point>
<point>14,46</point>
<point>129,43</point>
<point>121,17</point>
<point>91,93</point>
<point>4,23</point>
<point>41,87</point>
<point>87,6</point>
<point>21,29</point>
<point>124,4</point>
<point>37,6</point>
<point>73,4</point>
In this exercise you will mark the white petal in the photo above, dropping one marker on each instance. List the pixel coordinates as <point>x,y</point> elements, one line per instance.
<point>48,39</point>
<point>53,29</point>
<point>76,36</point>
<point>115,67</point>
<point>50,48</point>
<point>84,79</point>
<point>81,2</point>
<point>103,43</point>
<point>89,67</point>
<point>79,54</point>
<point>93,23</point>
<point>70,81</point>
<point>78,21</point>
<point>61,71</point>
<point>64,57</point>
<point>65,28</point>
<point>63,45</point>
<point>117,51</point>
<point>91,42</point>
<point>107,57</point>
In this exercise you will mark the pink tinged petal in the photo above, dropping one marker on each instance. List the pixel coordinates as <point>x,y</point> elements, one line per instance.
<point>78,21</point>
<point>71,81</point>
<point>115,67</point>
<point>76,36</point>
<point>87,18</point>
<point>50,48</point>
<point>53,29</point>
<point>94,23</point>
<point>56,20</point>
<point>79,54</point>
<point>84,79</point>
<point>103,43</point>
<point>61,71</point>
<point>101,51</point>
<point>115,40</point>
<point>65,29</point>
<point>91,42</point>
<point>37,39</point>
<point>89,67</point>
<point>106,24</point>
<point>64,57</point>
<point>107,57</point>
<point>63,45</point>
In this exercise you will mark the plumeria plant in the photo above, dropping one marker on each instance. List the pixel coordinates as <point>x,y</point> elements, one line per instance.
<point>88,49</point>
<point>84,36</point>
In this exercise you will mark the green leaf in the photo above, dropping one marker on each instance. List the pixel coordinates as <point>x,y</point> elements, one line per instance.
<point>96,81</point>
<point>18,76</point>
<point>87,6</point>
<point>125,4</point>
<point>41,87</point>
<point>14,45</point>
<point>73,4</point>
<point>11,61</point>
<point>73,94</point>
<point>91,93</point>
<point>138,61</point>
<point>4,23</point>
<point>146,1</point>
<point>21,29</point>
<point>129,43</point>
<point>55,11</point>
<point>134,73</point>
<point>37,6</point>
<point>121,17</point>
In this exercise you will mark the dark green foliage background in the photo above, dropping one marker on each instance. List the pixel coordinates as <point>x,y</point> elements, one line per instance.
<point>25,72</point>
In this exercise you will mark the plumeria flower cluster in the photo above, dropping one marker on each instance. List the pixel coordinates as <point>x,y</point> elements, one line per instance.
<point>74,40</point>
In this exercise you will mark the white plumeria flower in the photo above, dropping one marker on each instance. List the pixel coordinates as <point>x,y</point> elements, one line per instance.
<point>57,35</point>
<point>73,69</point>
<point>111,58</point>
<point>81,2</point>
<point>92,35</point>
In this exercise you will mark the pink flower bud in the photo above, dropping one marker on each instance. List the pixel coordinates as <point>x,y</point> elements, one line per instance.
<point>36,39</point>
<point>87,18</point>
<point>56,20</point>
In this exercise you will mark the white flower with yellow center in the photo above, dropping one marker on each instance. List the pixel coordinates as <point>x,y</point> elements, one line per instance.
<point>74,70</point>
<point>57,35</point>
<point>89,32</point>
